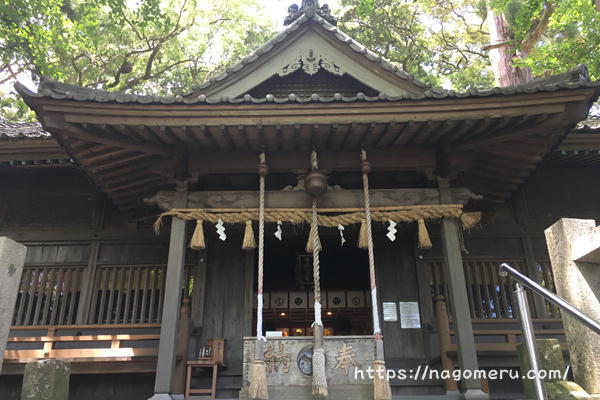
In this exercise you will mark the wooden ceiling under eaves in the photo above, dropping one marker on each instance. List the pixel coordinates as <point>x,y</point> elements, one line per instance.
<point>133,150</point>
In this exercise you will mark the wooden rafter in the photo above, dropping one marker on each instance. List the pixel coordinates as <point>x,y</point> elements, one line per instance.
<point>73,130</point>
<point>509,134</point>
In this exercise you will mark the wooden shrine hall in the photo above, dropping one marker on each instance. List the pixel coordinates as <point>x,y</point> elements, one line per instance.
<point>455,183</point>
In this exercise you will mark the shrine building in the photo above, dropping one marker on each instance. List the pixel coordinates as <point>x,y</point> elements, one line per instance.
<point>153,265</point>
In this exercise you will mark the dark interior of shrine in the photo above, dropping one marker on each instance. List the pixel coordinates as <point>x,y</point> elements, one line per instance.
<point>289,283</point>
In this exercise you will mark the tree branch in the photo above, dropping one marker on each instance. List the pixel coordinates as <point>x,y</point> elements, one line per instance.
<point>538,29</point>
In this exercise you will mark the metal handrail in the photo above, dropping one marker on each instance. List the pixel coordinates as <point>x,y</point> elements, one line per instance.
<point>551,297</point>
<point>527,324</point>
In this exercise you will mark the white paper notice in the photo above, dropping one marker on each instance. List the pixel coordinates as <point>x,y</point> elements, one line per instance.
<point>409,315</point>
<point>390,312</point>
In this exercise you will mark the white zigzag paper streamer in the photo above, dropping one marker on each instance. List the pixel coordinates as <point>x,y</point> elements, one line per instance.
<point>221,230</point>
<point>279,232</point>
<point>392,231</point>
<point>343,239</point>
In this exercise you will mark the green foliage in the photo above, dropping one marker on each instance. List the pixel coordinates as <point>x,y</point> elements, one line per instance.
<point>444,42</point>
<point>572,37</point>
<point>150,46</point>
<point>166,46</point>
<point>440,42</point>
<point>13,108</point>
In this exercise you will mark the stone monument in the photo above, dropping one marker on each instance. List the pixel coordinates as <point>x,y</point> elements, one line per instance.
<point>12,258</point>
<point>574,247</point>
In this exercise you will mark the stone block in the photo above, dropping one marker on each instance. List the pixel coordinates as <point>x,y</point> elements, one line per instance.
<point>46,380</point>
<point>12,258</point>
<point>579,284</point>
<point>551,359</point>
<point>289,366</point>
<point>565,390</point>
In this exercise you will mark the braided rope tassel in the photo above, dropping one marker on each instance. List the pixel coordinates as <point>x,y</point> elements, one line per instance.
<point>381,383</point>
<point>316,247</point>
<point>319,377</point>
<point>261,248</point>
<point>258,389</point>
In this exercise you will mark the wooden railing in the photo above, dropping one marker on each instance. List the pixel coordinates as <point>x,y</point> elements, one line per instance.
<point>546,279</point>
<point>48,296</point>
<point>495,341</point>
<point>120,348</point>
<point>118,294</point>
<point>490,295</point>
<point>128,295</point>
<point>106,346</point>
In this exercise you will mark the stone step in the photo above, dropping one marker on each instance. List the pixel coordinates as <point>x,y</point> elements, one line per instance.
<point>346,392</point>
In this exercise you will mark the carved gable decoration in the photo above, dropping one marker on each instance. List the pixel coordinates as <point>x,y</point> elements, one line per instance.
<point>313,45</point>
<point>311,64</point>
<point>301,84</point>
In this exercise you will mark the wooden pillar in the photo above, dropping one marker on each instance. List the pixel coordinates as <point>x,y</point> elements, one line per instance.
<point>183,338</point>
<point>539,305</point>
<point>165,366</point>
<point>443,328</point>
<point>87,287</point>
<point>248,292</point>
<point>455,279</point>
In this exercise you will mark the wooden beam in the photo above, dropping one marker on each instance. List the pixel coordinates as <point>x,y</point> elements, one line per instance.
<point>547,128</point>
<point>114,163</point>
<point>513,152</point>
<point>492,176</point>
<point>135,183</point>
<point>288,114</point>
<point>418,159</point>
<point>334,198</point>
<point>66,129</point>
<point>95,157</point>
<point>580,141</point>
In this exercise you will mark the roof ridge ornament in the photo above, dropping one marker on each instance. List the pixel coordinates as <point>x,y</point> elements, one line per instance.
<point>294,12</point>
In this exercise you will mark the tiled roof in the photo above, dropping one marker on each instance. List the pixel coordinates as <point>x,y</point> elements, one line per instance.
<point>590,125</point>
<point>22,130</point>
<point>309,15</point>
<point>62,91</point>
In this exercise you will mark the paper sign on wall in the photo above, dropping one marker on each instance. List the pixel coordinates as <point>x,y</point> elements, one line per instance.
<point>390,312</point>
<point>409,315</point>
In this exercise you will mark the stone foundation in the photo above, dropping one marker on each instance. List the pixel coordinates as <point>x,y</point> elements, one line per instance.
<point>289,366</point>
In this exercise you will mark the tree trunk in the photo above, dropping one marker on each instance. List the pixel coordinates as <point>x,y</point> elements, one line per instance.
<point>502,53</point>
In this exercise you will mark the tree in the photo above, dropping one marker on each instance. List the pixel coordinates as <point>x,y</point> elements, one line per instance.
<point>151,46</point>
<point>165,46</point>
<point>472,43</point>
<point>438,41</point>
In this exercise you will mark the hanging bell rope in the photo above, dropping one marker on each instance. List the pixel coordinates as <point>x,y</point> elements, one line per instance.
<point>381,383</point>
<point>258,389</point>
<point>316,186</point>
